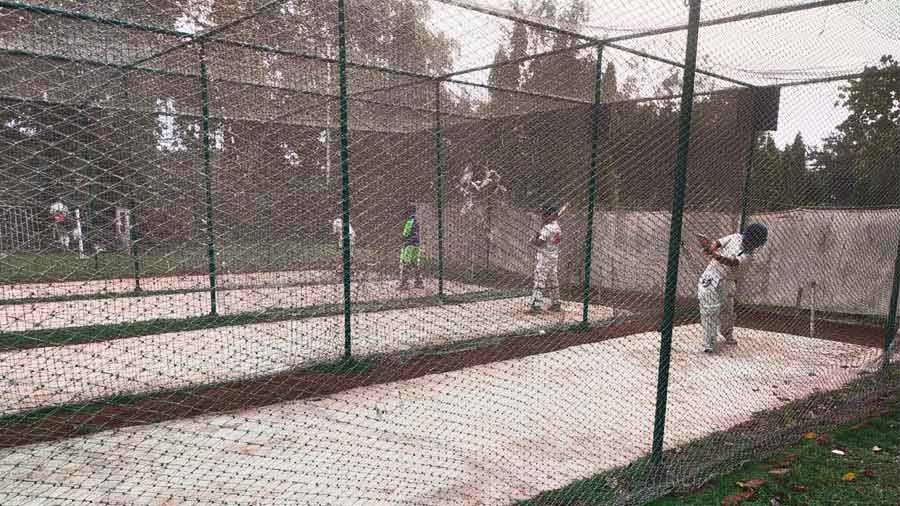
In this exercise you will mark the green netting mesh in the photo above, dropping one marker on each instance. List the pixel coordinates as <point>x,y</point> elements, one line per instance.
<point>241,263</point>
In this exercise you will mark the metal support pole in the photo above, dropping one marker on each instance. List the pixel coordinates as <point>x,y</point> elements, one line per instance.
<point>345,176</point>
<point>592,186</point>
<point>439,186</point>
<point>207,180</point>
<point>681,161</point>
<point>748,186</point>
<point>132,238</point>
<point>890,327</point>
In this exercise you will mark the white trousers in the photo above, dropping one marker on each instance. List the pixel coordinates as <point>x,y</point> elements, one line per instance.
<point>716,298</point>
<point>546,279</point>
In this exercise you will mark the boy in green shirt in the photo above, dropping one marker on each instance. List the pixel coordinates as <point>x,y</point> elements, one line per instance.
<point>410,255</point>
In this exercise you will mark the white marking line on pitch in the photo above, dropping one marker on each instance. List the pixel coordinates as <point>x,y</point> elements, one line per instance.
<point>48,315</point>
<point>485,435</point>
<point>62,374</point>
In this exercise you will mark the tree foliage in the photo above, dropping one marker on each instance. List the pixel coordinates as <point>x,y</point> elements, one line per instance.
<point>860,162</point>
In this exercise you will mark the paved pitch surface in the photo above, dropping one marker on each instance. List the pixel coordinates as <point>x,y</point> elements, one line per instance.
<point>483,435</point>
<point>38,377</point>
<point>77,313</point>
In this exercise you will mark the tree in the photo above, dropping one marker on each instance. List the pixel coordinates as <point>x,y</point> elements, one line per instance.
<point>793,173</point>
<point>610,84</point>
<point>861,159</point>
<point>508,75</point>
<point>568,73</point>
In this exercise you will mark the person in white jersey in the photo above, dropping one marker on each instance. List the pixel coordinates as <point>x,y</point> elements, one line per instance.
<point>336,229</point>
<point>729,257</point>
<point>546,269</point>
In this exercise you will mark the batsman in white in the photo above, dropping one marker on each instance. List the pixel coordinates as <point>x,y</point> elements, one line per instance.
<point>729,257</point>
<point>546,269</point>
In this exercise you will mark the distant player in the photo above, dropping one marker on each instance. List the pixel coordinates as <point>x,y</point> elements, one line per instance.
<point>337,230</point>
<point>729,257</point>
<point>546,269</point>
<point>410,254</point>
<point>62,223</point>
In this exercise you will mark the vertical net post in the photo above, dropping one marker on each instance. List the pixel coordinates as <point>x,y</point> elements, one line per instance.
<point>132,238</point>
<point>681,159</point>
<point>890,327</point>
<point>748,174</point>
<point>345,175</point>
<point>592,187</point>
<point>439,185</point>
<point>207,181</point>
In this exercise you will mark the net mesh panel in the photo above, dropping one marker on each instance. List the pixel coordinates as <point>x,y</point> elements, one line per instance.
<point>172,315</point>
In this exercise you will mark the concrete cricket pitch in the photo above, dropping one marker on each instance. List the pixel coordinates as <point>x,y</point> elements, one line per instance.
<point>38,377</point>
<point>484,435</point>
<point>254,298</point>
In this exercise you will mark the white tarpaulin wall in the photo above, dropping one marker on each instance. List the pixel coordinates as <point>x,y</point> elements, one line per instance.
<point>847,253</point>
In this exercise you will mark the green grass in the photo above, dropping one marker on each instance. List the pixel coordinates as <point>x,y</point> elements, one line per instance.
<point>815,475</point>
<point>96,333</point>
<point>351,366</point>
<point>67,266</point>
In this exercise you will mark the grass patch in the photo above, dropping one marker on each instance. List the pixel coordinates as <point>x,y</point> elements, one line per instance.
<point>689,466</point>
<point>344,366</point>
<point>232,258</point>
<point>35,416</point>
<point>96,333</point>
<point>815,474</point>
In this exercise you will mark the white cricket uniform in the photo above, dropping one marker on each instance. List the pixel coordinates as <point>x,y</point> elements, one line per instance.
<point>546,269</point>
<point>60,214</point>
<point>337,229</point>
<point>716,289</point>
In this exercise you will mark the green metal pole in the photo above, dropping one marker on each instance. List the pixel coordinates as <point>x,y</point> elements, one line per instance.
<point>681,160</point>
<point>592,186</point>
<point>890,328</point>
<point>345,176</point>
<point>92,222</point>
<point>439,185</point>
<point>207,180</point>
<point>748,186</point>
<point>132,238</point>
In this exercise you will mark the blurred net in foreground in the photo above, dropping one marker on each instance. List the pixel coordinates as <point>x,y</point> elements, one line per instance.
<point>284,252</point>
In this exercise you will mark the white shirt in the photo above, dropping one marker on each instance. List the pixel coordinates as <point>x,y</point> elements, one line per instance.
<point>730,246</point>
<point>551,234</point>
<point>336,228</point>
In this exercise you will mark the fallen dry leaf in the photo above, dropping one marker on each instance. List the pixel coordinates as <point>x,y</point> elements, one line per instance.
<point>850,476</point>
<point>751,484</point>
<point>860,424</point>
<point>796,487</point>
<point>868,473</point>
<point>736,499</point>
<point>779,472</point>
<point>822,440</point>
<point>809,436</point>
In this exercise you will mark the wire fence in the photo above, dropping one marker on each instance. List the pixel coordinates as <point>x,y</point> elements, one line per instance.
<point>438,252</point>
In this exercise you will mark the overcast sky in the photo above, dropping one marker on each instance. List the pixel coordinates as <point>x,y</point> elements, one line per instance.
<point>809,44</point>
